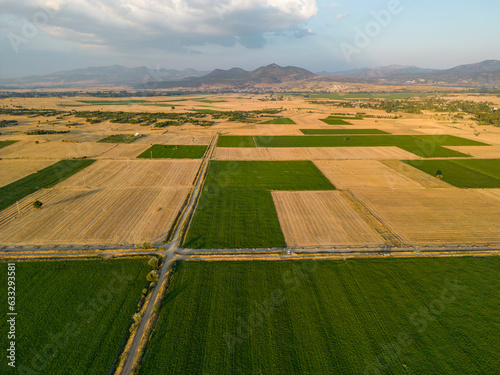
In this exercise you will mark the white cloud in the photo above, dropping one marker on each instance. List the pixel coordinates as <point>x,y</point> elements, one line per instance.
<point>165,23</point>
<point>344,15</point>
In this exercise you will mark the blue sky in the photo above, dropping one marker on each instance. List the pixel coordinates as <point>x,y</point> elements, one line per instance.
<point>207,34</point>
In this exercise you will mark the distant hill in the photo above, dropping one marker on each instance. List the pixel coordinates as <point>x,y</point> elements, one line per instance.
<point>237,77</point>
<point>115,75</point>
<point>486,73</point>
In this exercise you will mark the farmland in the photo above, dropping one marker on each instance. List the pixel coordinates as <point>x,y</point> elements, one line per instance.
<point>335,121</point>
<point>113,202</point>
<point>44,178</point>
<point>341,131</point>
<point>73,314</point>
<point>6,143</point>
<point>174,152</point>
<point>473,173</point>
<point>324,317</point>
<point>417,146</point>
<point>235,141</point>
<point>280,121</point>
<point>121,138</point>
<point>236,209</point>
<point>12,170</point>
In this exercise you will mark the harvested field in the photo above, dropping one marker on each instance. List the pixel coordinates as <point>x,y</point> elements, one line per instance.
<point>341,131</point>
<point>13,170</point>
<point>54,150</point>
<point>135,173</point>
<point>174,139</point>
<point>124,151</point>
<point>484,152</point>
<point>265,130</point>
<point>493,193</point>
<point>424,179</point>
<point>372,174</point>
<point>320,218</point>
<point>92,217</point>
<point>444,216</point>
<point>312,153</point>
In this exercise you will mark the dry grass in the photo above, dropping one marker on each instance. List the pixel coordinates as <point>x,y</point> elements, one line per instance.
<point>124,151</point>
<point>444,216</point>
<point>371,174</point>
<point>12,170</point>
<point>321,218</point>
<point>312,153</point>
<point>483,152</point>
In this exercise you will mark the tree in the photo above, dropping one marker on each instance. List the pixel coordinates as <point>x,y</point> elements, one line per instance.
<point>153,263</point>
<point>439,174</point>
<point>153,276</point>
<point>37,204</point>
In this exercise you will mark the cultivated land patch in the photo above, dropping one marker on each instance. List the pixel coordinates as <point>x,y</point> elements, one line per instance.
<point>236,209</point>
<point>341,131</point>
<point>485,152</point>
<point>280,121</point>
<point>174,139</point>
<point>124,151</point>
<point>321,218</point>
<point>174,152</point>
<point>121,138</point>
<point>113,203</point>
<point>6,143</point>
<point>312,153</point>
<point>14,169</point>
<point>369,174</point>
<point>54,150</point>
<point>45,178</point>
<point>417,146</point>
<point>463,173</point>
<point>236,141</point>
<point>329,317</point>
<point>73,315</point>
<point>438,216</point>
<point>424,179</point>
<point>335,121</point>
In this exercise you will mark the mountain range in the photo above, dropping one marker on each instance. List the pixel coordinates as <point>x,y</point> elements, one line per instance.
<point>486,73</point>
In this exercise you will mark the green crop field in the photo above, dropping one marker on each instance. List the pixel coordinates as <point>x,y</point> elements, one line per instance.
<point>6,143</point>
<point>470,173</point>
<point>335,121</point>
<point>364,316</point>
<point>280,121</point>
<point>236,209</point>
<point>45,178</point>
<point>341,131</point>
<point>266,175</point>
<point>121,138</point>
<point>235,141</point>
<point>418,146</point>
<point>72,315</point>
<point>174,152</point>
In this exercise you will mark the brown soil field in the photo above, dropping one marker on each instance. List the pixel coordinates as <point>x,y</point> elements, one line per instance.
<point>133,174</point>
<point>440,216</point>
<point>312,153</point>
<point>54,150</point>
<point>109,216</point>
<point>424,179</point>
<point>371,174</point>
<point>124,151</point>
<point>321,218</point>
<point>14,169</point>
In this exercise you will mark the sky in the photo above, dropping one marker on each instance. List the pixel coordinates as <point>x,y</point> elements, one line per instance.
<point>45,36</point>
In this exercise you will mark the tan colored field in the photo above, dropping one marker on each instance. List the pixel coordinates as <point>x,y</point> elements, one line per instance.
<point>12,170</point>
<point>321,218</point>
<point>92,217</point>
<point>168,139</point>
<point>441,216</point>
<point>124,151</point>
<point>312,153</point>
<point>371,174</point>
<point>54,150</point>
<point>493,193</point>
<point>134,173</point>
<point>484,152</point>
<point>424,179</point>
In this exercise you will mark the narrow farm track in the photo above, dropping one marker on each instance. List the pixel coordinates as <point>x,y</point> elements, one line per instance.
<point>145,327</point>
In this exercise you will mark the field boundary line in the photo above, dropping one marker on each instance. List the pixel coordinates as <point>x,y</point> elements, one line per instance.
<point>390,238</point>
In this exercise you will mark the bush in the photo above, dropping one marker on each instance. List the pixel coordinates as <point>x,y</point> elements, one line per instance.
<point>37,204</point>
